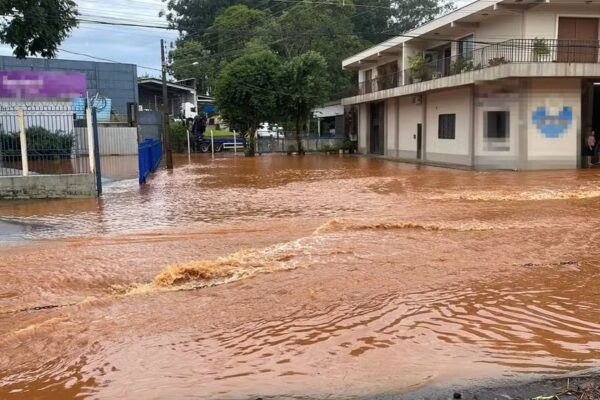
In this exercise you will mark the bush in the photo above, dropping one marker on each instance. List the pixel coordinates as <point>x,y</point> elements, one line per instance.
<point>497,61</point>
<point>327,148</point>
<point>348,146</point>
<point>178,137</point>
<point>40,143</point>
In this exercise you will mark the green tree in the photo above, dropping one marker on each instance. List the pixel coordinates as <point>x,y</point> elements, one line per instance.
<point>233,28</point>
<point>408,14</point>
<point>246,91</point>
<point>190,59</point>
<point>324,28</point>
<point>304,84</point>
<point>36,27</point>
<point>194,17</point>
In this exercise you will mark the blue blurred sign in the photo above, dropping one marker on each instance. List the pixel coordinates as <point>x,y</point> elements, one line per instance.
<point>102,112</point>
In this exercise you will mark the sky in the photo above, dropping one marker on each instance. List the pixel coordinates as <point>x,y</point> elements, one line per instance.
<point>131,45</point>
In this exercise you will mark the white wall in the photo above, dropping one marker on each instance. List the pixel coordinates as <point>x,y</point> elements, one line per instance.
<point>391,126</point>
<point>554,96</point>
<point>454,101</point>
<point>498,28</point>
<point>409,116</point>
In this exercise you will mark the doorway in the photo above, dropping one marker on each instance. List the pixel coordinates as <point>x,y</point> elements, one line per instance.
<point>419,141</point>
<point>577,40</point>
<point>590,119</point>
<point>376,112</point>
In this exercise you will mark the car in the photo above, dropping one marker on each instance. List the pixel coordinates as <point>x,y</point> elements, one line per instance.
<point>270,131</point>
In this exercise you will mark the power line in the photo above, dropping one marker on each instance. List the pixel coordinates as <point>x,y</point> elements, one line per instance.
<point>105,59</point>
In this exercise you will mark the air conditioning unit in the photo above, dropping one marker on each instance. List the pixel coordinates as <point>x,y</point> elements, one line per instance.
<point>417,99</point>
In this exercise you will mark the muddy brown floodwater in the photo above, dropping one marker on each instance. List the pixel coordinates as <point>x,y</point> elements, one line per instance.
<point>313,277</point>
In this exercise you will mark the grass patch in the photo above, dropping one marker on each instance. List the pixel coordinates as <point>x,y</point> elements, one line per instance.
<point>219,133</point>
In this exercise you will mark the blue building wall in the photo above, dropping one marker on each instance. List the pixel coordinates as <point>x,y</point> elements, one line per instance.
<point>117,82</point>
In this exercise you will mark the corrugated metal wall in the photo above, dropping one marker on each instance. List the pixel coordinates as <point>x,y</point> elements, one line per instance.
<point>117,82</point>
<point>114,141</point>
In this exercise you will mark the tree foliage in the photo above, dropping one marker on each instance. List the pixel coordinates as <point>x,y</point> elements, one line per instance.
<point>36,27</point>
<point>327,30</point>
<point>190,59</point>
<point>246,90</point>
<point>196,16</point>
<point>234,28</point>
<point>334,28</point>
<point>303,85</point>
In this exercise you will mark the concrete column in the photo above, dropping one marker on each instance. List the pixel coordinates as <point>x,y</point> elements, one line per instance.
<point>472,126</point>
<point>23,139</point>
<point>525,86</point>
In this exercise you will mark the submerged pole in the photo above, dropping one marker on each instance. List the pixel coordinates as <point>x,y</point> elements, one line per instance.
<point>212,144</point>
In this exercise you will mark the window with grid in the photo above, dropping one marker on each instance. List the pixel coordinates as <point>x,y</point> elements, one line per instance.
<point>447,126</point>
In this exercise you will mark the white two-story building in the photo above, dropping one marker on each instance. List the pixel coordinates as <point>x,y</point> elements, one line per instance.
<point>495,84</point>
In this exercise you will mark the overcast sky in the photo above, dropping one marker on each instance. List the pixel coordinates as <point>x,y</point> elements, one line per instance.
<point>139,46</point>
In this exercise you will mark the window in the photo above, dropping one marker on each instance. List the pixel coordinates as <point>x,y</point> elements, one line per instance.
<point>496,130</point>
<point>446,126</point>
<point>466,46</point>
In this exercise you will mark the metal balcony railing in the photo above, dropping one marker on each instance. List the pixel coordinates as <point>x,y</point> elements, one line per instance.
<point>510,51</point>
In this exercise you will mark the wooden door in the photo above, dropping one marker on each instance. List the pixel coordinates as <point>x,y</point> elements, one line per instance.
<point>577,40</point>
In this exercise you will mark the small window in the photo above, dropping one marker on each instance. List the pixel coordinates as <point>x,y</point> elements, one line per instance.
<point>192,109</point>
<point>466,46</point>
<point>497,132</point>
<point>446,126</point>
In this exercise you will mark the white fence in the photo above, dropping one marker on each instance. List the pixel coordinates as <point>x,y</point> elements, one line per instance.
<point>113,141</point>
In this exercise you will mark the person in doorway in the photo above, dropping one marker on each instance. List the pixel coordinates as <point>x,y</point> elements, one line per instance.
<point>590,146</point>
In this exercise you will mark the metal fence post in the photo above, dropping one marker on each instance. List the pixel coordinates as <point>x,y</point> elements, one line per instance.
<point>96,152</point>
<point>23,137</point>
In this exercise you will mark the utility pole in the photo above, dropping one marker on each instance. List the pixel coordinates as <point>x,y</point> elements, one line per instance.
<point>166,130</point>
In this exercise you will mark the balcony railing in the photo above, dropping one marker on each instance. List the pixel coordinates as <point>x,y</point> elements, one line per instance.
<point>510,51</point>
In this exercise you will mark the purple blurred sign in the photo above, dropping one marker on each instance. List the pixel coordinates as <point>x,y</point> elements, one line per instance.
<point>42,85</point>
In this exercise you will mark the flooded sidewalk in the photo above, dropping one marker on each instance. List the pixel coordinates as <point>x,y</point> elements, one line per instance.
<point>300,277</point>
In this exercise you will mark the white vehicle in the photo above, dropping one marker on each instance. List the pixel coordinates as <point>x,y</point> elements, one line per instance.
<point>269,131</point>
<point>188,111</point>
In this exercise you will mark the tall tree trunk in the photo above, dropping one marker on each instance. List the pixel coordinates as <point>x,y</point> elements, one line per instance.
<point>298,138</point>
<point>251,144</point>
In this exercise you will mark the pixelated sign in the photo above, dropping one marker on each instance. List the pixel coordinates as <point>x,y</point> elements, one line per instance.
<point>41,85</point>
<point>552,126</point>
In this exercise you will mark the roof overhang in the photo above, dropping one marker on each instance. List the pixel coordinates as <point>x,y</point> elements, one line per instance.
<point>154,83</point>
<point>461,18</point>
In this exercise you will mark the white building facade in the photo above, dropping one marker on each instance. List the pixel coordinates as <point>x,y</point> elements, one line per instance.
<point>499,84</point>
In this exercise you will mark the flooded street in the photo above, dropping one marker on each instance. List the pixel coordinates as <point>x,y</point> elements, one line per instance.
<point>300,277</point>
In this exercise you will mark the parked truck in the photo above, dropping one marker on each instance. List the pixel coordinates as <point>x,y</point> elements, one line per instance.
<point>220,142</point>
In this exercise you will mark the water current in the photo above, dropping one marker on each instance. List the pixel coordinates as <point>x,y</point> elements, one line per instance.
<point>300,277</point>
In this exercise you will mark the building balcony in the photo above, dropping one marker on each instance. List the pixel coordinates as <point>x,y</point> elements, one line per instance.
<point>512,58</point>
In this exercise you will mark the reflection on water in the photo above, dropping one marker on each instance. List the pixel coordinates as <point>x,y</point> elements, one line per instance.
<point>289,277</point>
